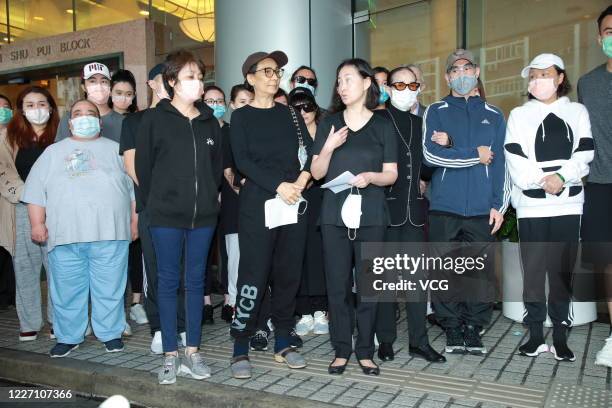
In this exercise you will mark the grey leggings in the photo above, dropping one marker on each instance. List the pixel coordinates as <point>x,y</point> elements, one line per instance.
<point>27,262</point>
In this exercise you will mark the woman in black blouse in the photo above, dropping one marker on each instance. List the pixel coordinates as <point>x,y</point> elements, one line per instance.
<point>353,139</point>
<point>272,157</point>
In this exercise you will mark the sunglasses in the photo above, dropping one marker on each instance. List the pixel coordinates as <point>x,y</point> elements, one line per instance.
<point>400,86</point>
<point>311,81</point>
<point>211,101</point>
<point>269,72</point>
<point>306,107</point>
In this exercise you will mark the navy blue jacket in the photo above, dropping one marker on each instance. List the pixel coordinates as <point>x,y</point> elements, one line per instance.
<point>461,185</point>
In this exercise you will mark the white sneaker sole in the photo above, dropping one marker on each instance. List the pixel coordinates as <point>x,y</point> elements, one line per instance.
<point>320,331</point>
<point>65,354</point>
<point>476,351</point>
<point>138,321</point>
<point>552,350</point>
<point>301,332</point>
<point>454,350</point>
<point>184,369</point>
<point>115,350</point>
<point>28,338</point>
<point>542,348</point>
<point>167,382</point>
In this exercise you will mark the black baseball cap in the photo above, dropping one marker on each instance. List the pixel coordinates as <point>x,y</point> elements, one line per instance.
<point>278,56</point>
<point>156,70</point>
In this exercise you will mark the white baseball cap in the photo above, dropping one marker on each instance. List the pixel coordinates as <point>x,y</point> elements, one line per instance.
<point>94,68</point>
<point>543,61</point>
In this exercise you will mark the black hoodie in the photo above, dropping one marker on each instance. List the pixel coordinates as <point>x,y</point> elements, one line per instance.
<point>179,166</point>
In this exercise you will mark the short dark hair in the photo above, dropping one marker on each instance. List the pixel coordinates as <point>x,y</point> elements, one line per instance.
<point>7,99</point>
<point>365,71</point>
<point>378,70</point>
<point>236,89</point>
<point>123,75</point>
<point>213,88</point>
<point>564,87</point>
<point>174,63</point>
<point>301,67</point>
<point>607,12</point>
<point>83,100</point>
<point>400,69</point>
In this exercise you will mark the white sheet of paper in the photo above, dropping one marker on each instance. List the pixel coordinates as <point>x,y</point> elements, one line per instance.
<point>340,183</point>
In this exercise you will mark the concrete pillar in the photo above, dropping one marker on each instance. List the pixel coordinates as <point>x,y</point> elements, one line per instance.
<point>317,33</point>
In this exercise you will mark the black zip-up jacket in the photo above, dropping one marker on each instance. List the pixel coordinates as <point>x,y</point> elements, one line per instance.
<point>179,166</point>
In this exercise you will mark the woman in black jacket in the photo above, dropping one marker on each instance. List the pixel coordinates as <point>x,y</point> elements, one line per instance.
<point>179,168</point>
<point>272,156</point>
<point>407,213</point>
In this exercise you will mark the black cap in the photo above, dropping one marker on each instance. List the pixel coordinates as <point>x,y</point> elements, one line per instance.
<point>156,70</point>
<point>278,56</point>
<point>298,90</point>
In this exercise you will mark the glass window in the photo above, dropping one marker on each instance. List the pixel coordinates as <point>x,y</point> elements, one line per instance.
<point>422,33</point>
<point>96,13</point>
<point>36,18</point>
<point>507,34</point>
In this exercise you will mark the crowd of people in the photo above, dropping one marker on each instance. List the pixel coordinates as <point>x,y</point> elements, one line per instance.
<point>108,192</point>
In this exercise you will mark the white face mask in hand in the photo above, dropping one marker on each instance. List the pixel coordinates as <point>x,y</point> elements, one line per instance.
<point>279,213</point>
<point>351,212</point>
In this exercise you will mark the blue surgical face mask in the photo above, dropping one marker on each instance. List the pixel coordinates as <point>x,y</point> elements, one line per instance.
<point>5,115</point>
<point>464,84</point>
<point>384,95</point>
<point>218,110</point>
<point>306,85</point>
<point>86,127</point>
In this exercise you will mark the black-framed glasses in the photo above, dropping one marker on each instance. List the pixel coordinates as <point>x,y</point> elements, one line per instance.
<point>306,107</point>
<point>400,86</point>
<point>311,81</point>
<point>211,101</point>
<point>269,72</point>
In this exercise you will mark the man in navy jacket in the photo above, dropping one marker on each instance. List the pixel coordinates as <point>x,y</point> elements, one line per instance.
<point>463,138</point>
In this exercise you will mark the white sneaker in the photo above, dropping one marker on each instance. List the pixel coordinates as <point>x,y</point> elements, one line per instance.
<point>604,356</point>
<point>304,325</point>
<point>156,343</point>
<point>321,324</point>
<point>88,331</point>
<point>128,329</point>
<point>376,340</point>
<point>137,314</point>
<point>184,339</point>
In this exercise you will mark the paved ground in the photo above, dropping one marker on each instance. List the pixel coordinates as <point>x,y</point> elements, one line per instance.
<point>500,379</point>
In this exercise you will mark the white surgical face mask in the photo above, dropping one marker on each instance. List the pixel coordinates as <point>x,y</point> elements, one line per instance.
<point>403,100</point>
<point>38,116</point>
<point>190,90</point>
<point>98,93</point>
<point>279,213</point>
<point>351,212</point>
<point>122,101</point>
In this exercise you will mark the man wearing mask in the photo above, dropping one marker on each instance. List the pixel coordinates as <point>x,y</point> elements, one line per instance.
<point>463,138</point>
<point>418,108</point>
<point>304,77</point>
<point>96,85</point>
<point>594,92</point>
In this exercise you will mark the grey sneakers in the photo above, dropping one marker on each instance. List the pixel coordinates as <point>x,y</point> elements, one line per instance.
<point>193,365</point>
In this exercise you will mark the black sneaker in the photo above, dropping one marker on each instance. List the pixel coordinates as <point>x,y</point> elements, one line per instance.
<point>454,341</point>
<point>227,313</point>
<point>473,342</point>
<point>259,342</point>
<point>114,346</point>
<point>295,341</point>
<point>533,348</point>
<point>562,352</point>
<point>207,315</point>
<point>62,350</point>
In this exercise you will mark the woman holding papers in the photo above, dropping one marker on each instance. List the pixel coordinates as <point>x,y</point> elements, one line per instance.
<point>353,139</point>
<point>270,145</point>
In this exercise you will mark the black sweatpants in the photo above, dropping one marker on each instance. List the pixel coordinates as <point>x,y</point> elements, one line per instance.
<point>339,255</point>
<point>268,257</point>
<point>150,286</point>
<point>386,326</point>
<point>549,246</point>
<point>135,266</point>
<point>450,228</point>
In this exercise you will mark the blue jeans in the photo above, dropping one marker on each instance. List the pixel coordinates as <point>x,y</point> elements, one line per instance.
<point>169,244</point>
<point>99,268</point>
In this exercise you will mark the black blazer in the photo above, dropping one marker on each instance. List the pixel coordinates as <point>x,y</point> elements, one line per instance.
<point>405,202</point>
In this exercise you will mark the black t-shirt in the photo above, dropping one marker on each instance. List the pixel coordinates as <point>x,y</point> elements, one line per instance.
<point>364,151</point>
<point>26,157</point>
<point>265,144</point>
<point>129,130</point>
<point>228,220</point>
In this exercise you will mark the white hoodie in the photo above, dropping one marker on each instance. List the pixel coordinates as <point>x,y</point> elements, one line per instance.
<point>546,139</point>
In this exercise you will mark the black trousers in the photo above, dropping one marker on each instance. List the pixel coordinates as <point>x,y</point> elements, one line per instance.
<point>340,254</point>
<point>150,286</point>
<point>549,247</point>
<point>268,258</point>
<point>7,279</point>
<point>416,309</point>
<point>449,228</point>
<point>135,266</point>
